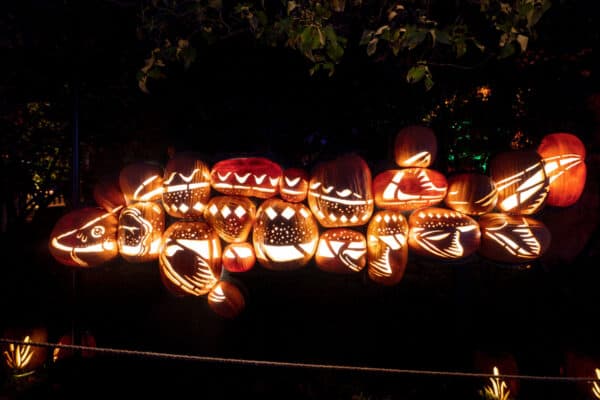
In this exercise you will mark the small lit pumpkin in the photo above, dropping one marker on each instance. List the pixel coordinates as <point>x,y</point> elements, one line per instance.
<point>190,258</point>
<point>512,238</point>
<point>141,181</point>
<point>341,250</point>
<point>471,193</point>
<point>497,364</point>
<point>226,300</point>
<point>340,192</point>
<point>293,186</point>
<point>85,237</point>
<point>24,358</point>
<point>576,364</point>
<point>387,236</point>
<point>140,230</point>
<point>521,181</point>
<point>186,185</point>
<point>415,146</point>
<point>231,216</point>
<point>107,193</point>
<point>563,155</point>
<point>442,233</point>
<point>285,235</point>
<point>83,339</point>
<point>408,189</point>
<point>247,176</point>
<point>238,257</point>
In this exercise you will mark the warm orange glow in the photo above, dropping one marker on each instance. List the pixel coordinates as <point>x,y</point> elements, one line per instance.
<point>247,176</point>
<point>141,181</point>
<point>484,92</point>
<point>140,230</point>
<point>387,247</point>
<point>341,250</point>
<point>226,300</point>
<point>294,185</point>
<point>18,356</point>
<point>408,189</point>
<point>186,186</point>
<point>238,257</point>
<point>471,193</point>
<point>595,385</point>
<point>415,146</point>
<point>231,216</point>
<point>497,389</point>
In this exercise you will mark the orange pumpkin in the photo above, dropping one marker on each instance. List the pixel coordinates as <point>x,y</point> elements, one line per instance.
<point>141,181</point>
<point>226,300</point>
<point>341,250</point>
<point>497,364</point>
<point>231,216</point>
<point>415,146</point>
<point>186,185</point>
<point>408,189</point>
<point>293,186</point>
<point>24,358</point>
<point>107,193</point>
<point>387,235</point>
<point>471,193</point>
<point>62,353</point>
<point>247,176</point>
<point>238,257</point>
<point>140,230</point>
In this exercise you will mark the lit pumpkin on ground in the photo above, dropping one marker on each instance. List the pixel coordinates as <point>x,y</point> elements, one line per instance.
<point>340,192</point>
<point>341,250</point>
<point>512,238</point>
<point>107,193</point>
<point>226,300</point>
<point>238,257</point>
<point>387,236</point>
<point>285,235</point>
<point>471,193</point>
<point>141,181</point>
<point>497,364</point>
<point>190,258</point>
<point>442,233</point>
<point>563,155</point>
<point>521,181</point>
<point>186,186</point>
<point>24,358</point>
<point>415,146</point>
<point>63,353</point>
<point>408,189</point>
<point>247,176</point>
<point>140,230</point>
<point>231,216</point>
<point>293,186</point>
<point>85,237</point>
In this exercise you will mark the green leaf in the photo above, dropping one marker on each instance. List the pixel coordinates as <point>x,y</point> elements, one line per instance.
<point>416,73</point>
<point>366,37</point>
<point>335,51</point>
<point>442,37</point>
<point>507,51</point>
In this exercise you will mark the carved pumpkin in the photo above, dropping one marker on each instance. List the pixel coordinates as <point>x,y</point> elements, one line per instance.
<point>415,146</point>
<point>231,216</point>
<point>341,250</point>
<point>520,180</point>
<point>409,189</point>
<point>62,353</point>
<point>340,192</point>
<point>107,193</point>
<point>141,181</point>
<point>563,155</point>
<point>140,230</point>
<point>238,257</point>
<point>512,238</point>
<point>285,235</point>
<point>190,258</point>
<point>186,186</point>
<point>497,364</point>
<point>24,358</point>
<point>86,237</point>
<point>293,186</point>
<point>442,233</point>
<point>471,193</point>
<point>247,176</point>
<point>579,365</point>
<point>226,300</point>
<point>387,236</point>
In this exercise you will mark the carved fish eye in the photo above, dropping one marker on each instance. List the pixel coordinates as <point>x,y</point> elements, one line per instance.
<point>98,231</point>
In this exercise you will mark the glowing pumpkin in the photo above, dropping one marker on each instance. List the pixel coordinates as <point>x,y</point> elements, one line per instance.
<point>415,146</point>
<point>512,238</point>
<point>84,339</point>
<point>285,235</point>
<point>238,257</point>
<point>247,176</point>
<point>190,258</point>
<point>231,216</point>
<point>293,186</point>
<point>497,364</point>
<point>387,236</point>
<point>521,181</point>
<point>442,233</point>
<point>340,192</point>
<point>408,189</point>
<point>140,230</point>
<point>563,155</point>
<point>226,300</point>
<point>471,193</point>
<point>186,186</point>
<point>107,193</point>
<point>341,250</point>
<point>141,181</point>
<point>85,237</point>
<point>24,358</point>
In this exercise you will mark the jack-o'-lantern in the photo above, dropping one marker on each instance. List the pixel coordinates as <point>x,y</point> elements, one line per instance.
<point>576,364</point>
<point>415,146</point>
<point>387,236</point>
<point>226,299</point>
<point>512,238</point>
<point>408,189</point>
<point>471,193</point>
<point>442,233</point>
<point>247,176</point>
<point>497,364</point>
<point>341,250</point>
<point>141,181</point>
<point>83,339</point>
<point>285,235</point>
<point>186,186</point>
<point>238,257</point>
<point>24,358</point>
<point>563,155</point>
<point>231,216</point>
<point>140,230</point>
<point>340,192</point>
<point>85,237</point>
<point>520,180</point>
<point>293,186</point>
<point>190,258</point>
<point>107,193</point>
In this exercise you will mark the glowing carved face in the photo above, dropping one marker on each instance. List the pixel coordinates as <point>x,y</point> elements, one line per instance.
<point>231,216</point>
<point>341,250</point>
<point>442,233</point>
<point>139,235</point>
<point>294,185</point>
<point>387,244</point>
<point>285,235</point>
<point>340,192</point>
<point>141,181</point>
<point>247,176</point>
<point>471,193</point>
<point>85,237</point>
<point>409,189</point>
<point>186,186</point>
<point>415,146</point>
<point>190,258</point>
